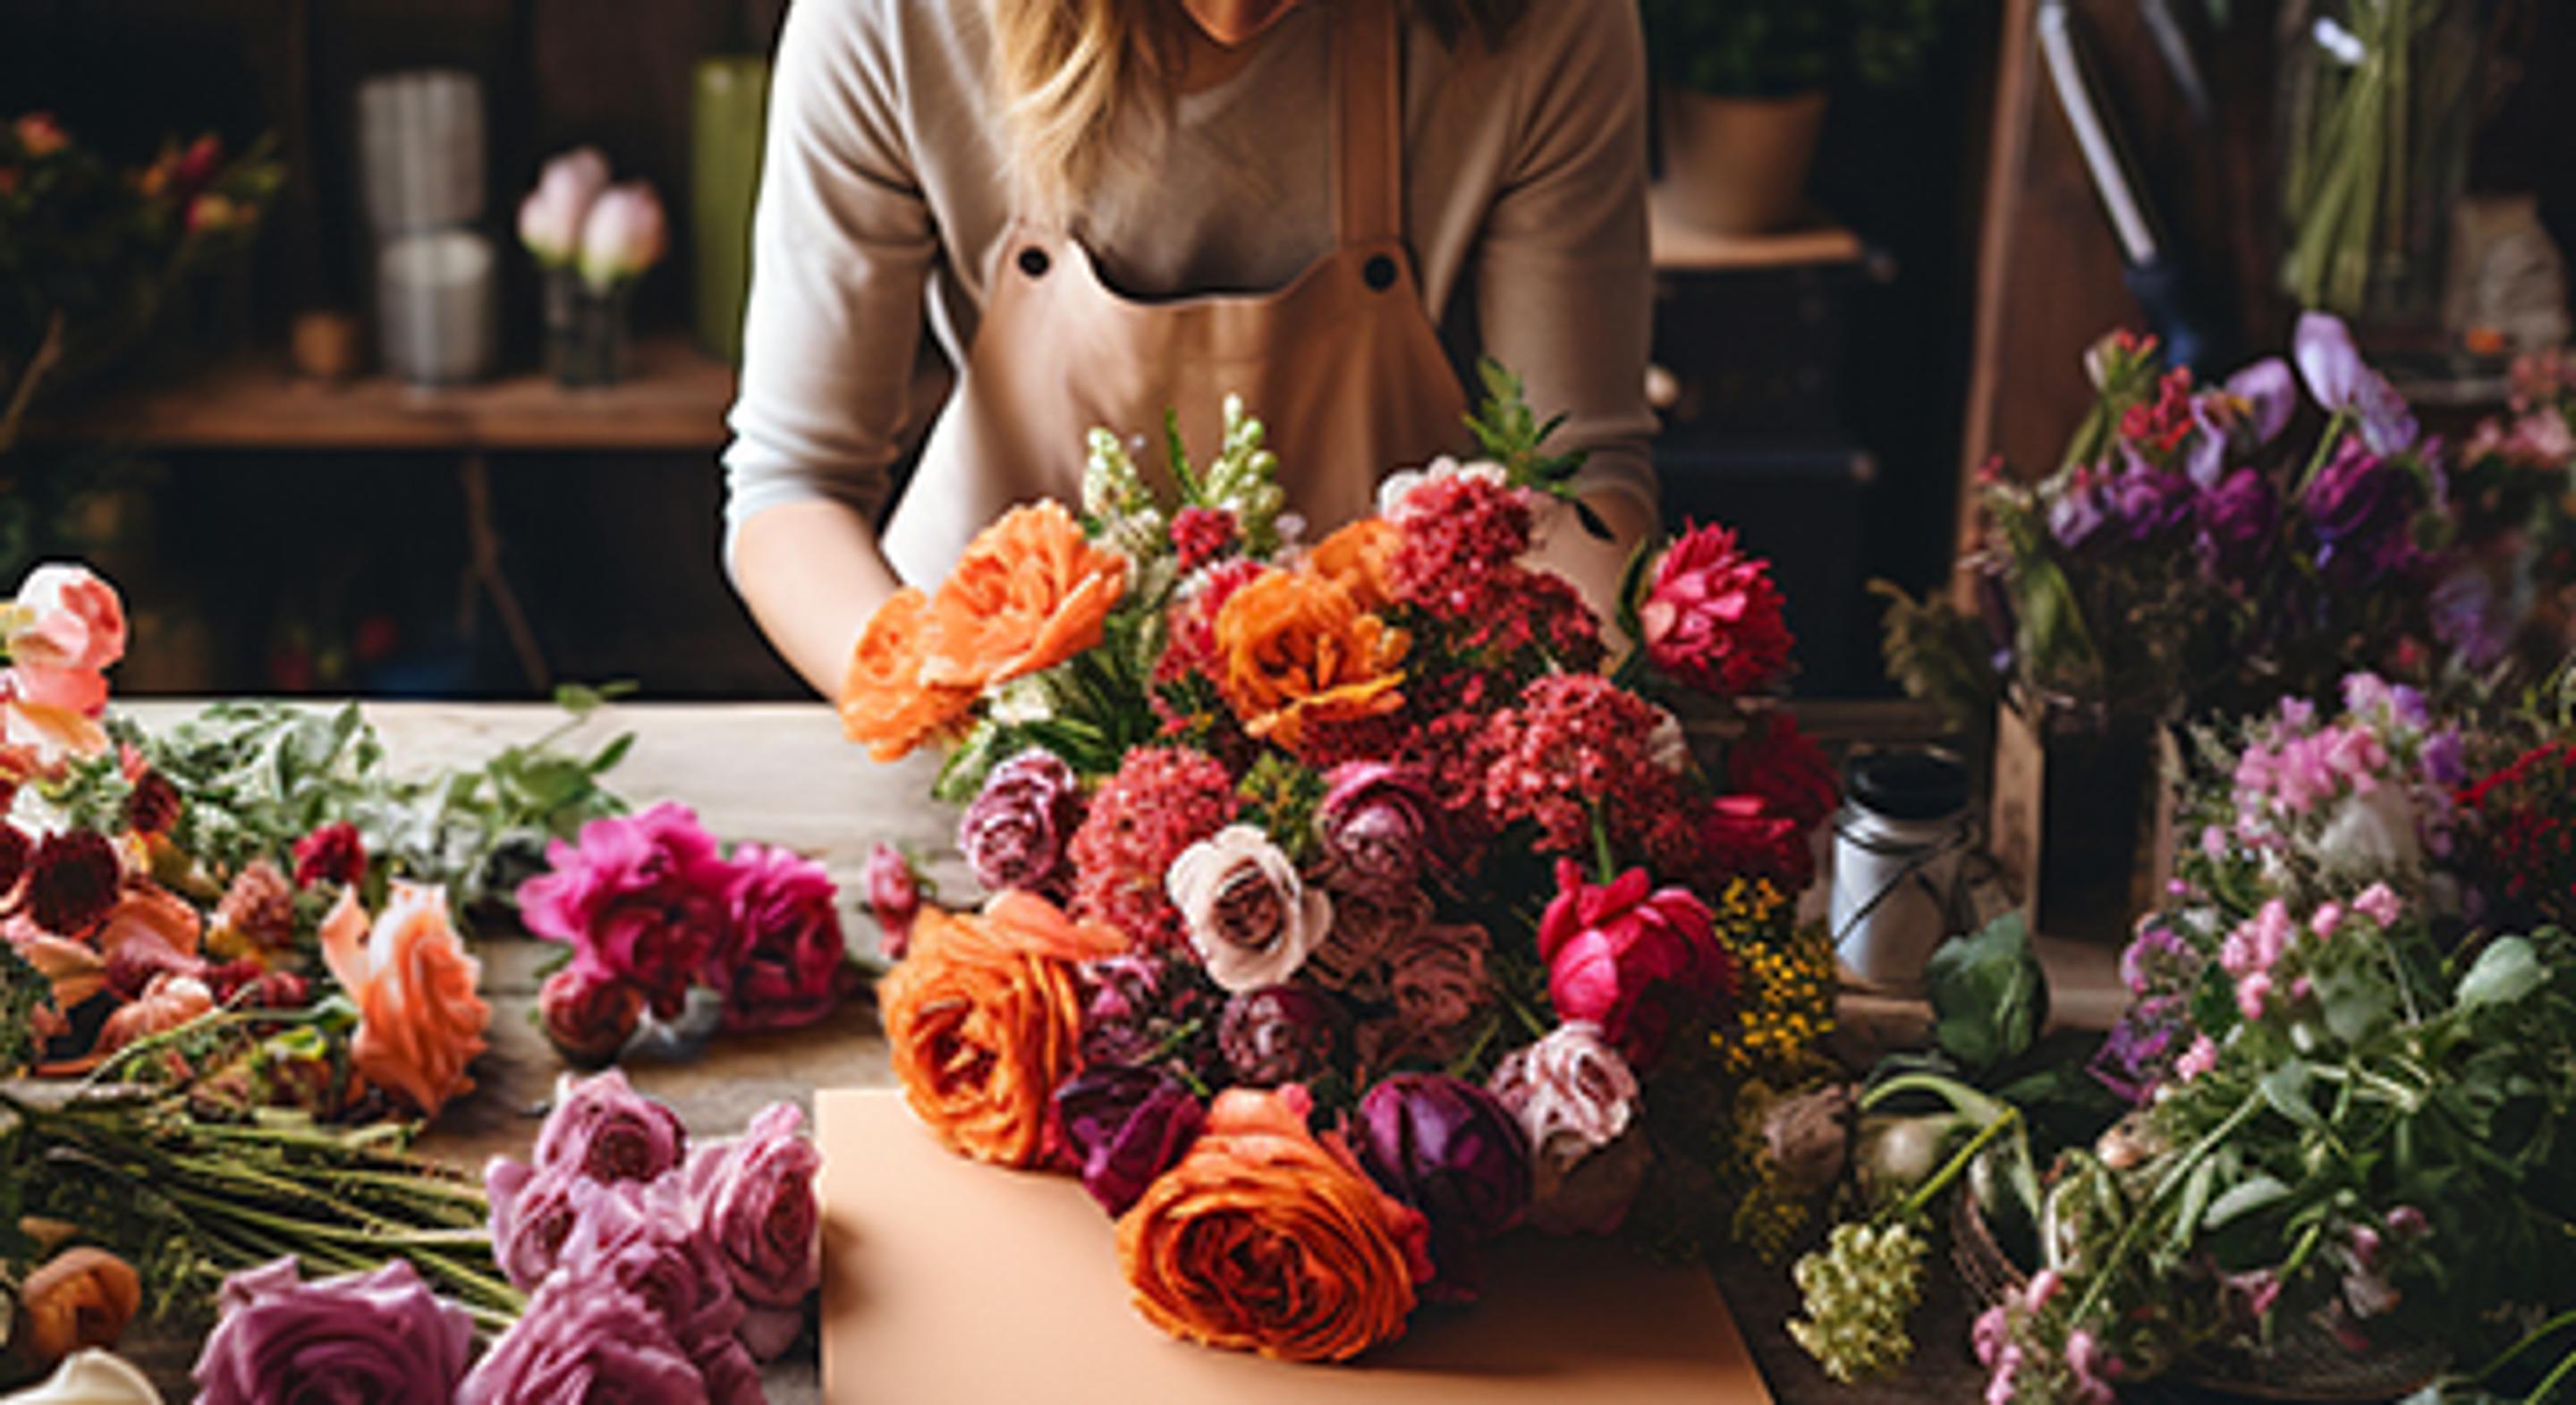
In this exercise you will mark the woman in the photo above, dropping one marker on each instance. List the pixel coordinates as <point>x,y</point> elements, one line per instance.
<point>1108,207</point>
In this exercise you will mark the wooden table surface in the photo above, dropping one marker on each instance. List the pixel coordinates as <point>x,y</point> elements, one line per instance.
<point>781,774</point>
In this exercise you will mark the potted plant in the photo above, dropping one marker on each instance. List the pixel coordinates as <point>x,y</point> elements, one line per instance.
<point>1742,88</point>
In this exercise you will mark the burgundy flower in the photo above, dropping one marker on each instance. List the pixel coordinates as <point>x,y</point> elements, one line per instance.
<point>332,853</point>
<point>2359,508</point>
<point>1280,1034</point>
<point>1611,947</point>
<point>2240,522</point>
<point>643,899</point>
<point>1015,832</point>
<point>152,806</point>
<point>754,1202</point>
<point>15,851</point>
<point>780,965</point>
<point>72,882</point>
<point>587,1019</point>
<point>1125,1127</point>
<point>894,898</point>
<point>1712,618</point>
<point>1782,765</point>
<point>1745,835</point>
<point>1450,1150</point>
<point>1138,1007</point>
<point>1379,825</point>
<point>1439,977</point>
<point>610,1132</point>
<point>382,1337</point>
<point>584,1339</point>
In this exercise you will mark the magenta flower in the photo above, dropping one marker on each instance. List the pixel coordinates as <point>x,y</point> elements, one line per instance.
<point>1712,617</point>
<point>381,1337</point>
<point>1607,947</point>
<point>781,965</point>
<point>584,1339</point>
<point>643,899</point>
<point>754,1202</point>
<point>1452,1151</point>
<point>609,1132</point>
<point>1015,832</point>
<point>1380,825</point>
<point>1126,1126</point>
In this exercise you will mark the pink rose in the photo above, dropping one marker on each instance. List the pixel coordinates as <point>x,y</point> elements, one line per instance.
<point>643,899</point>
<point>639,1238</point>
<point>782,966</point>
<point>755,1203</point>
<point>381,1337</point>
<point>1569,1084</point>
<point>1014,834</point>
<point>534,1214</point>
<point>584,1339</point>
<point>623,234</point>
<point>1379,825</point>
<point>550,219</point>
<point>1608,947</point>
<point>894,898</point>
<point>606,1130</point>
<point>588,1019</point>
<point>1712,617</point>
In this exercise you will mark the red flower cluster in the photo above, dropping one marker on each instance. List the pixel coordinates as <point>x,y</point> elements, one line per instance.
<point>2166,421</point>
<point>1459,531</point>
<point>1192,649</point>
<point>1786,768</point>
<point>2527,814</point>
<point>1577,744</point>
<point>71,882</point>
<point>1163,800</point>
<point>332,853</point>
<point>1201,535</point>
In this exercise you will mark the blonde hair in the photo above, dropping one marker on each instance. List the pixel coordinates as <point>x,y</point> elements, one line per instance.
<point>1072,73</point>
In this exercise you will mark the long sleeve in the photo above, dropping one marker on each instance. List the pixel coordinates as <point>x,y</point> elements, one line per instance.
<point>843,243</point>
<point>1563,284</point>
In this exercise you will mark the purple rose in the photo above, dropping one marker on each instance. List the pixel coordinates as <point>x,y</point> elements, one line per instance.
<point>1126,1127</point>
<point>534,1214</point>
<point>1138,1006</point>
<point>755,1205</point>
<point>641,1239</point>
<point>1452,1151</point>
<point>1015,832</point>
<point>781,965</point>
<point>584,1339</point>
<point>610,1132</point>
<point>2359,508</point>
<point>2240,523</point>
<point>381,1337</point>
<point>643,899</point>
<point>894,898</point>
<point>2140,1051</point>
<point>1380,825</point>
<point>1280,1034</point>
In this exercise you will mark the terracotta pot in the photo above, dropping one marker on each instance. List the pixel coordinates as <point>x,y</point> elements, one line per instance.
<point>1739,165</point>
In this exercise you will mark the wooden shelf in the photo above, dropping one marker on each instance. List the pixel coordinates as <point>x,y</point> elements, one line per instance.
<point>1679,247</point>
<point>675,402</point>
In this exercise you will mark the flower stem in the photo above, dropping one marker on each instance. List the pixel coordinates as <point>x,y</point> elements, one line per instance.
<point>1957,1165</point>
<point>1602,858</point>
<point>2172,1181</point>
<point>2531,1339</point>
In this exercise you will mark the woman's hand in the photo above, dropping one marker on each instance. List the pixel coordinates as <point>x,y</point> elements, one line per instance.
<point>812,574</point>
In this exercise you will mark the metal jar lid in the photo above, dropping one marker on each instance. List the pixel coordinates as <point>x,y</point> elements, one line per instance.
<point>1909,783</point>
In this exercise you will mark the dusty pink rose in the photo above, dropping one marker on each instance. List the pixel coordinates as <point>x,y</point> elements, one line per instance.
<point>640,1238</point>
<point>623,234</point>
<point>1712,617</point>
<point>1380,825</point>
<point>588,1019</point>
<point>609,1132</point>
<point>1250,915</point>
<point>1571,1084</point>
<point>755,1203</point>
<point>550,219</point>
<point>1611,947</point>
<point>894,898</point>
<point>534,1214</point>
<point>1014,834</point>
<point>381,1337</point>
<point>1439,978</point>
<point>584,1339</point>
<point>643,899</point>
<point>781,967</point>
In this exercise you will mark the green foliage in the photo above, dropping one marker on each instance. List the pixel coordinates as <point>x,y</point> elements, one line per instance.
<point>1772,48</point>
<point>1989,995</point>
<point>1511,434</point>
<point>22,989</point>
<point>1936,654</point>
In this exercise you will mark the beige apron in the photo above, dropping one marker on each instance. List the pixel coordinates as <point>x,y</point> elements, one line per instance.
<point>1343,365</point>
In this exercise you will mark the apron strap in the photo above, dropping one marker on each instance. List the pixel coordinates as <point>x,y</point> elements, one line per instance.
<point>1368,137</point>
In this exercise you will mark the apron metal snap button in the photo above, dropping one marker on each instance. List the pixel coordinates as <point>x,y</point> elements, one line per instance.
<point>1033,262</point>
<point>1378,272</point>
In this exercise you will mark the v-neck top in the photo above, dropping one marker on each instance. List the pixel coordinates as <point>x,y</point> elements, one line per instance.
<point>886,198</point>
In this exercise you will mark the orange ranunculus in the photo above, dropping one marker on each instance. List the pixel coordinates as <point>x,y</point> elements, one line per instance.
<point>984,1015</point>
<point>883,700</point>
<point>82,1297</point>
<point>1295,649</point>
<point>1028,594</point>
<point>1356,558</point>
<point>420,1021</point>
<point>1267,1238</point>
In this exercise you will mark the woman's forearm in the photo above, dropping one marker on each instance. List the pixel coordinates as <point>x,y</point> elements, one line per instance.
<point>1595,565</point>
<point>812,574</point>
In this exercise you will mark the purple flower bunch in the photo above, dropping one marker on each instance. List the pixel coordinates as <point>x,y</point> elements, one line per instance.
<point>651,908</point>
<point>658,1273</point>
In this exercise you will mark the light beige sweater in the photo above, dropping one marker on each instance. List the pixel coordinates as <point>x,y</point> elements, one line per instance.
<point>886,194</point>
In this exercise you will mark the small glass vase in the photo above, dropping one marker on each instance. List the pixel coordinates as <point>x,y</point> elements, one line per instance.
<point>589,339</point>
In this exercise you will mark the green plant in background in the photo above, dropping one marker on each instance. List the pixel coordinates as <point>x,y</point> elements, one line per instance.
<point>1774,48</point>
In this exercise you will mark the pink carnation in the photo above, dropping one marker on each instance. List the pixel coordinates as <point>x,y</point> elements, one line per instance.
<point>642,899</point>
<point>1712,617</point>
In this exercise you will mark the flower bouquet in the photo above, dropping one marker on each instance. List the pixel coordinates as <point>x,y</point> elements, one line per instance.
<point>1344,914</point>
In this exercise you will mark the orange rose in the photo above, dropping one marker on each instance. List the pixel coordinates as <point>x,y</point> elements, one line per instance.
<point>80,1298</point>
<point>1294,650</point>
<point>985,1015</point>
<point>1028,594</point>
<point>419,1020</point>
<point>883,700</point>
<point>1356,558</point>
<point>1266,1238</point>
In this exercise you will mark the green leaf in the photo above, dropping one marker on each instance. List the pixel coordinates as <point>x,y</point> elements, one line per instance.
<point>2289,1090</point>
<point>2356,1001</point>
<point>1989,994</point>
<point>2505,972</point>
<point>582,699</point>
<point>2246,1197</point>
